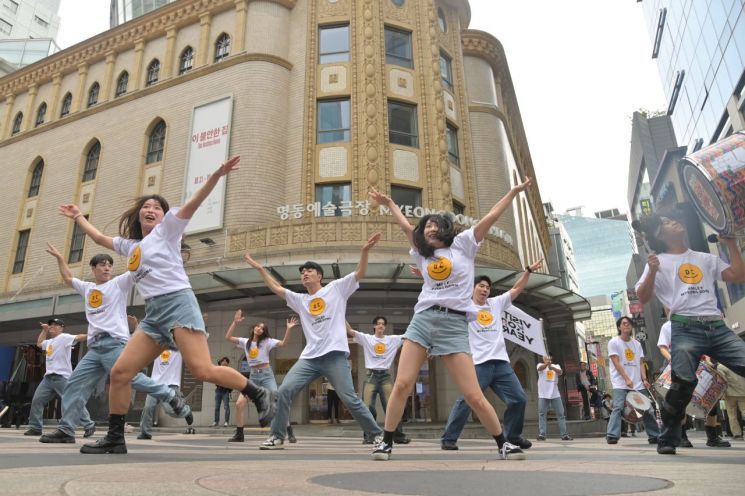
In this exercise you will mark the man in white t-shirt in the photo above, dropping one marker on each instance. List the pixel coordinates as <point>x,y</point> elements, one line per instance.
<point>166,371</point>
<point>685,282</point>
<point>380,350</point>
<point>627,373</point>
<point>57,346</point>
<point>549,396</point>
<point>322,314</point>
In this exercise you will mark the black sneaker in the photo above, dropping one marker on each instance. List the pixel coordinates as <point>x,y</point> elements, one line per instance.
<point>144,436</point>
<point>367,439</point>
<point>189,418</point>
<point>57,437</point>
<point>266,404</point>
<point>567,437</point>
<point>718,442</point>
<point>652,440</point>
<point>273,443</point>
<point>291,438</point>
<point>89,431</point>
<point>32,432</point>
<point>664,449</point>
<point>522,443</point>
<point>685,443</point>
<point>541,437</point>
<point>382,451</point>
<point>509,451</point>
<point>612,440</point>
<point>449,445</point>
<point>105,445</point>
<point>404,439</point>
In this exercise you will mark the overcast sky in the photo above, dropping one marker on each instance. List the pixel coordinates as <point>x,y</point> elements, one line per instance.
<point>580,69</point>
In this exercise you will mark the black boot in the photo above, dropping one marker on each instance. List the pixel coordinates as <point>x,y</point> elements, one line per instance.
<point>291,435</point>
<point>238,436</point>
<point>112,442</point>
<point>713,440</point>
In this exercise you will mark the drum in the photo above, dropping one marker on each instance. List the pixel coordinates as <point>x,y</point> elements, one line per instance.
<point>636,406</point>
<point>709,390</point>
<point>713,178</point>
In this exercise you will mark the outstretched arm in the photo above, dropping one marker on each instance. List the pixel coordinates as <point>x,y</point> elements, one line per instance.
<point>80,337</point>
<point>237,318</point>
<point>645,291</point>
<point>64,270</point>
<point>483,226</point>
<point>398,216</point>
<point>270,281</point>
<point>43,335</point>
<point>523,280</point>
<point>193,203</point>
<point>359,273</point>
<point>291,322</point>
<point>73,212</point>
<point>350,331</point>
<point>736,270</point>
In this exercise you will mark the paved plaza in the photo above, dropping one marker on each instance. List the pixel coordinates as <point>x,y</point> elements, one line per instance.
<point>205,464</point>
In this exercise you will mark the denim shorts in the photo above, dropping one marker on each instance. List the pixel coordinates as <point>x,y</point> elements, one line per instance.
<point>164,313</point>
<point>440,333</point>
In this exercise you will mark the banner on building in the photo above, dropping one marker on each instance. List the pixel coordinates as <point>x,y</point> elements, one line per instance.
<point>523,330</point>
<point>209,143</point>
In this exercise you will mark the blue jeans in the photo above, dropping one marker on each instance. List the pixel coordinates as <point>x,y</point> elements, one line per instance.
<point>95,365</point>
<point>264,378</point>
<point>558,406</point>
<point>499,376</point>
<point>379,383</point>
<point>148,411</point>
<point>689,343</point>
<point>222,396</point>
<point>614,423</point>
<point>49,386</point>
<point>335,367</point>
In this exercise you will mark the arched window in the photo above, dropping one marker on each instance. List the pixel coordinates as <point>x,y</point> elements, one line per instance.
<point>153,69</point>
<point>93,94</point>
<point>41,112</point>
<point>121,83</point>
<point>156,143</point>
<point>186,61</point>
<point>17,124</point>
<point>66,104</point>
<point>91,162</point>
<point>222,47</point>
<point>33,189</point>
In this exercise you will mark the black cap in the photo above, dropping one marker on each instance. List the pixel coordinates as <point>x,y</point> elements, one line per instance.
<point>56,321</point>
<point>311,265</point>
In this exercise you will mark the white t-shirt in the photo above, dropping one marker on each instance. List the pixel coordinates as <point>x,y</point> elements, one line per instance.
<point>59,351</point>
<point>548,382</point>
<point>448,276</point>
<point>257,355</point>
<point>486,332</point>
<point>686,283</point>
<point>665,335</point>
<point>106,305</point>
<point>630,354</point>
<point>155,261</point>
<point>379,352</point>
<point>167,368</point>
<point>323,316</point>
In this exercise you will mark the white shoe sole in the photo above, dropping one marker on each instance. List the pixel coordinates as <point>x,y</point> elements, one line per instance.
<point>381,457</point>
<point>514,456</point>
<point>262,447</point>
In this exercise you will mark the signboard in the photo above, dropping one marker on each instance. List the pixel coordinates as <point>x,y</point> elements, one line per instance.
<point>523,330</point>
<point>209,142</point>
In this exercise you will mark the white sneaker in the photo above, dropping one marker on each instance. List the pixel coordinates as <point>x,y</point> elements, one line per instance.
<point>273,443</point>
<point>128,428</point>
<point>225,424</point>
<point>382,451</point>
<point>214,424</point>
<point>511,452</point>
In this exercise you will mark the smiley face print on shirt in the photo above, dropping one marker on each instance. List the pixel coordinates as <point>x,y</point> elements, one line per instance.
<point>629,354</point>
<point>550,374</point>
<point>253,352</point>
<point>379,348</point>
<point>50,350</point>
<point>690,274</point>
<point>485,318</point>
<point>135,259</point>
<point>95,298</point>
<point>316,306</point>
<point>440,269</point>
<point>165,356</point>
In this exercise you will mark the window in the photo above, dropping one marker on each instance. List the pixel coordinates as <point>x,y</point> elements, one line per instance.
<point>41,112</point>
<point>441,22</point>
<point>156,143</point>
<point>186,61</point>
<point>333,44</point>
<point>334,194</point>
<point>5,27</point>
<point>406,196</point>
<point>453,153</point>
<point>458,209</point>
<point>12,6</point>
<point>77,244</point>
<point>398,48</point>
<point>66,104</point>
<point>41,22</point>
<point>17,124</point>
<point>93,94</point>
<point>658,34</point>
<point>446,71</point>
<point>33,189</point>
<point>680,75</point>
<point>153,69</point>
<point>402,124</point>
<point>121,84</point>
<point>20,258</point>
<point>91,162</point>
<point>222,47</point>
<point>333,121</point>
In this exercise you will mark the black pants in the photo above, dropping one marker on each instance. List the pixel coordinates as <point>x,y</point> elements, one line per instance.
<point>332,403</point>
<point>585,402</point>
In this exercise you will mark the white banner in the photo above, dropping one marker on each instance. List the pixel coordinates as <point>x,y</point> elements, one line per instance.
<point>524,330</point>
<point>208,148</point>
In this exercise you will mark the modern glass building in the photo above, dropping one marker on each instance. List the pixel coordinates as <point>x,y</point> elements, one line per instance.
<point>27,32</point>
<point>126,10</point>
<point>700,51</point>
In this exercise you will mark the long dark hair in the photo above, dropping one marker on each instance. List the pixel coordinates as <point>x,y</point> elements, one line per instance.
<point>263,336</point>
<point>446,233</point>
<point>129,222</point>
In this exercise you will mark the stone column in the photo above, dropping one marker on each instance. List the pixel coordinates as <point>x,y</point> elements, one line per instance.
<point>29,114</point>
<point>53,106</point>
<point>137,69</point>
<point>168,62</point>
<point>108,77</point>
<point>240,26</point>
<point>80,97</point>
<point>205,22</point>
<point>9,101</point>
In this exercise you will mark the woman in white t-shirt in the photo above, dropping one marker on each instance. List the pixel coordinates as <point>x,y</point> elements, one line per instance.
<point>440,324</point>
<point>256,348</point>
<point>151,239</point>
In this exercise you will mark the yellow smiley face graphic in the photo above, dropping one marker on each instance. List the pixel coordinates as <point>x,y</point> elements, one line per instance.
<point>440,269</point>
<point>134,259</point>
<point>165,356</point>
<point>690,274</point>
<point>379,348</point>
<point>317,306</point>
<point>95,298</point>
<point>253,353</point>
<point>550,375</point>
<point>49,350</point>
<point>629,354</point>
<point>484,317</point>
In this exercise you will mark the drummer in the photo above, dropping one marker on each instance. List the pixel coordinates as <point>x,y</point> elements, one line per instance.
<point>685,282</point>
<point>628,374</point>
<point>664,343</point>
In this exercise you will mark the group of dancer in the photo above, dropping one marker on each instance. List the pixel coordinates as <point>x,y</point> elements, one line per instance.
<point>455,319</point>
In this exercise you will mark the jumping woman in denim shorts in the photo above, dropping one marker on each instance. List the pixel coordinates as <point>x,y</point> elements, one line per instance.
<point>150,236</point>
<point>439,327</point>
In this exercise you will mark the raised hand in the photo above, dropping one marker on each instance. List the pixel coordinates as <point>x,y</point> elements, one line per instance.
<point>372,241</point>
<point>229,166</point>
<point>54,252</point>
<point>68,210</point>
<point>653,262</point>
<point>238,317</point>
<point>523,186</point>
<point>291,322</point>
<point>537,265</point>
<point>378,197</point>
<point>250,261</point>
<point>415,270</point>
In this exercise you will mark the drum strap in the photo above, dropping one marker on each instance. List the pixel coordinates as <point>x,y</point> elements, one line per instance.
<point>698,322</point>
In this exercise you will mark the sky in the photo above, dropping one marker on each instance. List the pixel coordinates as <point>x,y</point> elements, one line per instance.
<point>580,69</point>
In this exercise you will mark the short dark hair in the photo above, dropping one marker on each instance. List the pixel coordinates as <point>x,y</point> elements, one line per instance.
<point>620,320</point>
<point>376,319</point>
<point>651,225</point>
<point>311,265</point>
<point>224,359</point>
<point>56,321</point>
<point>446,233</point>
<point>100,258</point>
<point>480,278</point>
